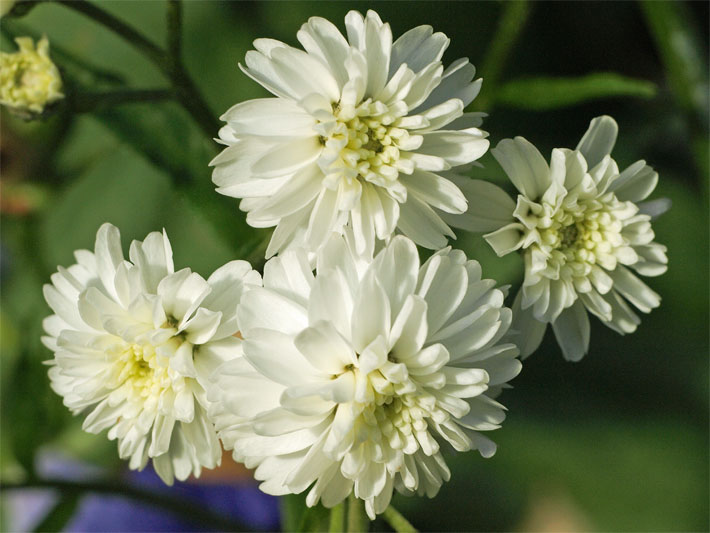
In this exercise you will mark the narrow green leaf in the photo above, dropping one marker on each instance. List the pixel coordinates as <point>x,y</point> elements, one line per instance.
<point>61,513</point>
<point>510,27</point>
<point>680,47</point>
<point>541,94</point>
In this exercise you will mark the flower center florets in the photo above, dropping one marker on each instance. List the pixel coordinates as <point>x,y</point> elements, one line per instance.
<point>142,371</point>
<point>365,141</point>
<point>579,236</point>
<point>397,414</point>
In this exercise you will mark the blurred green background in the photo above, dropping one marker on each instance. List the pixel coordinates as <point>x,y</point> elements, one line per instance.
<point>617,442</point>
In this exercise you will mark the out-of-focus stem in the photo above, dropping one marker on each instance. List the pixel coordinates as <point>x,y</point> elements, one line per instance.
<point>357,521</point>
<point>397,521</point>
<point>510,26</point>
<point>90,101</point>
<point>186,91</point>
<point>337,517</point>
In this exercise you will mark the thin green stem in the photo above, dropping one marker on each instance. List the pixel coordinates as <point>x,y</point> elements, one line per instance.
<point>91,101</point>
<point>395,519</point>
<point>186,91</point>
<point>337,517</point>
<point>130,35</point>
<point>174,25</point>
<point>195,513</point>
<point>510,26</point>
<point>357,519</point>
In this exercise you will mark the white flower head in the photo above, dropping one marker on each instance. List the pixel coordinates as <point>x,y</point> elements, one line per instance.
<point>353,379</point>
<point>134,342</point>
<point>584,233</point>
<point>362,132</point>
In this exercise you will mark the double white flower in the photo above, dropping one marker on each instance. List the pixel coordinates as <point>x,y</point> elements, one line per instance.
<point>353,378</point>
<point>133,345</point>
<point>584,231</point>
<point>363,131</point>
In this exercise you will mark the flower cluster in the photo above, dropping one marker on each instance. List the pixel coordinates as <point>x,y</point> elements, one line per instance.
<point>351,365</point>
<point>29,80</point>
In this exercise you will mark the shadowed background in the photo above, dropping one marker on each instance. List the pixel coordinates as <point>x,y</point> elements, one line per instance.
<point>617,442</point>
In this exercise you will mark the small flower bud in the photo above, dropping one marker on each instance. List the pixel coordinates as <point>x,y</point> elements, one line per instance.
<point>29,80</point>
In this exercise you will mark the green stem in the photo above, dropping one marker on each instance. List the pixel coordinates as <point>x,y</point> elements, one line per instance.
<point>395,519</point>
<point>174,25</point>
<point>195,513</point>
<point>337,517</point>
<point>130,35</point>
<point>185,89</point>
<point>90,101</point>
<point>357,519</point>
<point>510,26</point>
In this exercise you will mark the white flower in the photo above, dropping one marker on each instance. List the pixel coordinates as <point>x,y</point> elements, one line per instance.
<point>584,233</point>
<point>354,378</point>
<point>133,344</point>
<point>361,132</point>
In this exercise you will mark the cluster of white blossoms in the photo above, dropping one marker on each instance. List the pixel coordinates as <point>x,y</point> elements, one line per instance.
<point>361,133</point>
<point>134,343</point>
<point>352,366</point>
<point>584,232</point>
<point>354,378</point>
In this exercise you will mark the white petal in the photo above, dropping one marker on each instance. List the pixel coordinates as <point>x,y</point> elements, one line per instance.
<point>524,165</point>
<point>227,284</point>
<point>525,331</point>
<point>274,355</point>
<point>320,38</point>
<point>634,290</point>
<point>421,224</point>
<point>572,331</point>
<point>325,348</point>
<point>181,293</point>
<point>506,239</point>
<point>598,140</point>
<point>154,258</point>
<point>264,308</point>
<point>270,117</point>
<point>417,48</point>
<point>290,274</point>
<point>371,313</point>
<point>332,301</point>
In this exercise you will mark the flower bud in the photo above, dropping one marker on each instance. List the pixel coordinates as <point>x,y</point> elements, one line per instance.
<point>29,80</point>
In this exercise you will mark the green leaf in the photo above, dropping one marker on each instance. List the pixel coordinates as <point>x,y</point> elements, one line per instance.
<point>541,94</point>
<point>680,46</point>
<point>61,513</point>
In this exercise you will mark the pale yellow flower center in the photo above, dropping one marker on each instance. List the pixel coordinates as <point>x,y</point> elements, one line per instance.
<point>143,371</point>
<point>578,238</point>
<point>368,140</point>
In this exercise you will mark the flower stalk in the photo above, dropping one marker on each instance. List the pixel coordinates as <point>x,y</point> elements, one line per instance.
<point>337,518</point>
<point>90,101</point>
<point>357,519</point>
<point>397,521</point>
<point>169,63</point>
